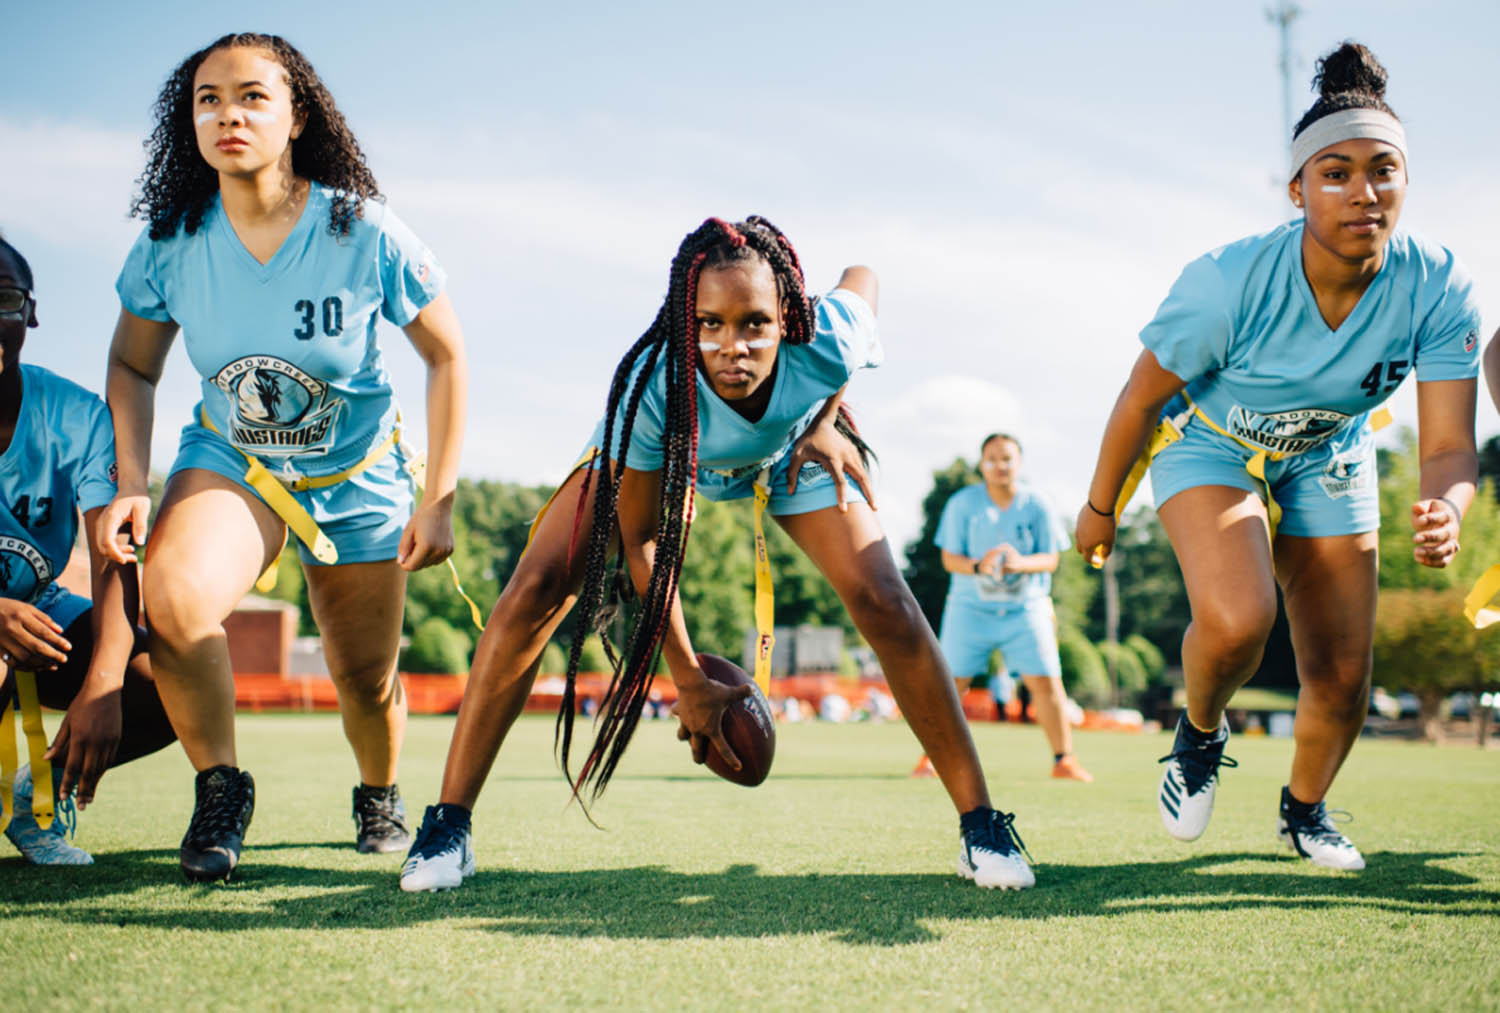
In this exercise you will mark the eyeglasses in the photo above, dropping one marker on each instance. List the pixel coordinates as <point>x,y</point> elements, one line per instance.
<point>13,302</point>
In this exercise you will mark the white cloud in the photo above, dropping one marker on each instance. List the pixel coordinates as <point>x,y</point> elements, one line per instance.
<point>1015,272</point>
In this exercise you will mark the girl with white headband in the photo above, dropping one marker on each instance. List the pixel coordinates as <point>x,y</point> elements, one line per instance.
<point>1262,378</point>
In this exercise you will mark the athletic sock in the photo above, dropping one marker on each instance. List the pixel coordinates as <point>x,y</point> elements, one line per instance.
<point>975,819</point>
<point>1198,735</point>
<point>1293,806</point>
<point>1057,757</point>
<point>453,814</point>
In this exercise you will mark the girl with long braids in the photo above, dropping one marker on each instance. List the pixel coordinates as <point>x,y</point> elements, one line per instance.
<point>736,384</point>
<point>1260,377</point>
<point>269,245</point>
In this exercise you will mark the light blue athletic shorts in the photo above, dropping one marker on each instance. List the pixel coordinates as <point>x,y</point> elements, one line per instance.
<point>1026,635</point>
<point>1329,490</point>
<point>62,606</point>
<point>816,489</point>
<point>363,516</point>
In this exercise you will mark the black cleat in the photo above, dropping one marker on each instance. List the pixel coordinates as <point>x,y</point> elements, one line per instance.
<point>211,846</point>
<point>380,816</point>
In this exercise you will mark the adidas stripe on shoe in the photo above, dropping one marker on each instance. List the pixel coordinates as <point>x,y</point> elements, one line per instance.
<point>1185,797</point>
<point>442,855</point>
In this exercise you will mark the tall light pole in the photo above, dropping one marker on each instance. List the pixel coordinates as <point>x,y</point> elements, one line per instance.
<point>1282,16</point>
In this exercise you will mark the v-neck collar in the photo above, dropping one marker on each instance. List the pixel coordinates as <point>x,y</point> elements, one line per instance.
<point>1361,308</point>
<point>1014,495</point>
<point>707,388</point>
<point>285,253</point>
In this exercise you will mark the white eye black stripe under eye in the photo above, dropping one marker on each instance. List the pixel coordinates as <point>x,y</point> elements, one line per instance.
<point>754,344</point>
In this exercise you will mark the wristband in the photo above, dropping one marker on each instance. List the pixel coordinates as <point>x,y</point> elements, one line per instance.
<point>1458,516</point>
<point>976,567</point>
<point>1102,513</point>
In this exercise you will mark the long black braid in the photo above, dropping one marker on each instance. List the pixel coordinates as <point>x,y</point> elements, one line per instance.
<point>178,186</point>
<point>671,344</point>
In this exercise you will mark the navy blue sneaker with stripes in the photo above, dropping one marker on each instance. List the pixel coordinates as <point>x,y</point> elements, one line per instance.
<point>1309,831</point>
<point>1186,796</point>
<point>442,856</point>
<point>990,851</point>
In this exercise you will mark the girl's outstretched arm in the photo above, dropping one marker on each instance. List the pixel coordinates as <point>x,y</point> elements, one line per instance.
<point>91,729</point>
<point>701,701</point>
<point>136,357</point>
<point>439,340</point>
<point>1130,425</point>
<point>1450,467</point>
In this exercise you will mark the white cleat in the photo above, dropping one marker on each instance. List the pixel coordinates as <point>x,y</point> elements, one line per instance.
<point>1315,838</point>
<point>441,857</point>
<point>1185,798</point>
<point>993,856</point>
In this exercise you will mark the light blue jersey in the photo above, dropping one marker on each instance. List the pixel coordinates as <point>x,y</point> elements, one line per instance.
<point>60,461</point>
<point>291,369</point>
<point>731,448</point>
<point>972,524</point>
<point>1242,327</point>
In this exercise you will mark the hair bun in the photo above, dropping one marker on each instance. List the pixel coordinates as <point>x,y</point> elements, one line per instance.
<point>1350,68</point>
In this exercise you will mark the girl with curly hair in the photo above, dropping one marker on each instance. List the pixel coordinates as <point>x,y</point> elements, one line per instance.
<point>269,245</point>
<point>734,391</point>
<point>1260,377</point>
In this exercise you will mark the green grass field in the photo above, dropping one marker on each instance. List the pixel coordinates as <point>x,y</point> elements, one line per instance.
<point>832,885</point>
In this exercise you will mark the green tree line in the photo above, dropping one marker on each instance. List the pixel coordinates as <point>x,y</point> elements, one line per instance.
<point>492,519</point>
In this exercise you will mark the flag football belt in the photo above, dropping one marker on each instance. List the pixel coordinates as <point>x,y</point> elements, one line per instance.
<point>276,495</point>
<point>36,748</point>
<point>765,596</point>
<point>1170,429</point>
<point>1477,607</point>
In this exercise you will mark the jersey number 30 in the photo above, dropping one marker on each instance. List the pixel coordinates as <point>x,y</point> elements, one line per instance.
<point>333,318</point>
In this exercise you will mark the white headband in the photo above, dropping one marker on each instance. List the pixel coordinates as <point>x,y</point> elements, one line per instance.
<point>1345,125</point>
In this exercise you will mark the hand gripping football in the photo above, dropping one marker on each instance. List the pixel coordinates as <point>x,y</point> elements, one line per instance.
<point>748,726</point>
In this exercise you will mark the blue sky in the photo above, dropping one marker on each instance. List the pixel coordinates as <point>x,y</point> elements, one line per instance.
<point>1027,179</point>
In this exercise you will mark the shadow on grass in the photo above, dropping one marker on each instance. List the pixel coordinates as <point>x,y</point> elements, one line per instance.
<point>649,902</point>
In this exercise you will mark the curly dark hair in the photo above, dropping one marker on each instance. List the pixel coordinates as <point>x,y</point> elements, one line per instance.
<point>671,342</point>
<point>177,186</point>
<point>1348,78</point>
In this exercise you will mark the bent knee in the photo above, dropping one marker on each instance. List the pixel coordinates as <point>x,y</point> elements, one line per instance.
<point>372,685</point>
<point>537,589</point>
<point>1236,629</point>
<point>884,607</point>
<point>181,606</point>
<point>1337,682</point>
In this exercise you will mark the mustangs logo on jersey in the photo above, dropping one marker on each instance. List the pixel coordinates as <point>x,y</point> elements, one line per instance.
<point>1346,473</point>
<point>24,572</point>
<point>276,409</point>
<point>1287,433</point>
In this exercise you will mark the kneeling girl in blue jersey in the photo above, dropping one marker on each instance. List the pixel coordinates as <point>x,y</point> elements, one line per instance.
<point>716,397</point>
<point>269,245</point>
<point>57,649</point>
<point>1260,376</point>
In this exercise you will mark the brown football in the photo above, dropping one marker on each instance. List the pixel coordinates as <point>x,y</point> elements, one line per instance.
<point>748,726</point>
